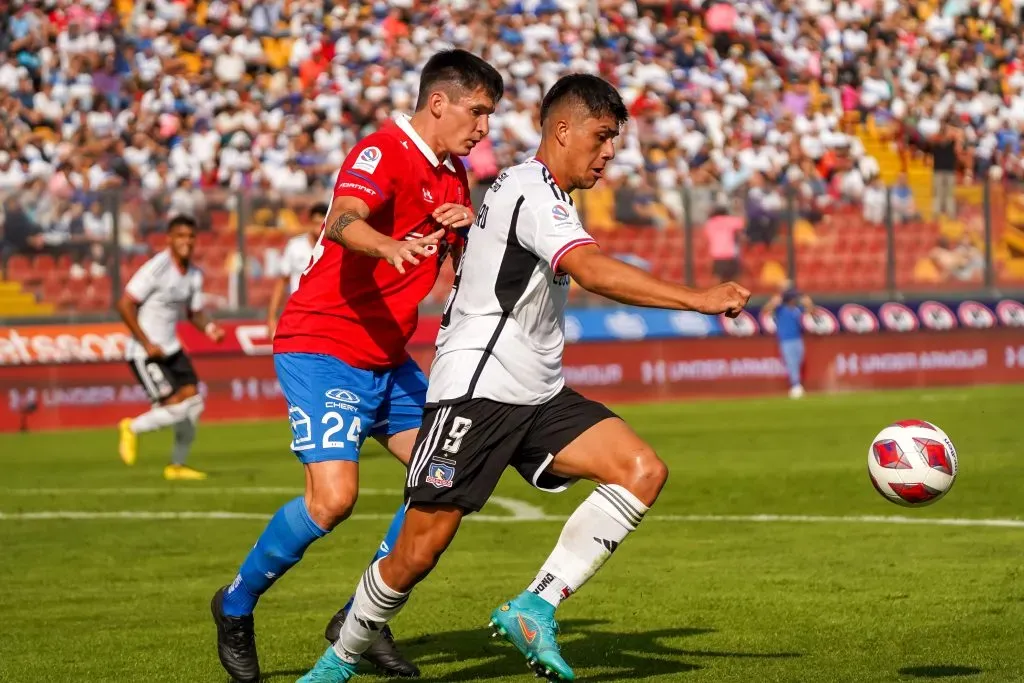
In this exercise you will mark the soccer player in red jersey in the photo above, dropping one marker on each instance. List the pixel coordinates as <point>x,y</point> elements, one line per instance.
<point>400,203</point>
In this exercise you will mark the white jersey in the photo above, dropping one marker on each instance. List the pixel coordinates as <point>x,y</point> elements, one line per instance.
<point>162,292</point>
<point>295,259</point>
<point>502,332</point>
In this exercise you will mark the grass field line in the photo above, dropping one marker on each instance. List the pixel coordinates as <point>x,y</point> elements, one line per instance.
<point>163,490</point>
<point>529,514</point>
<point>517,509</point>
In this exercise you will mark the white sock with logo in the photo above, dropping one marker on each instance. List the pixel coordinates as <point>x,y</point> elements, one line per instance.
<point>374,605</point>
<point>588,539</point>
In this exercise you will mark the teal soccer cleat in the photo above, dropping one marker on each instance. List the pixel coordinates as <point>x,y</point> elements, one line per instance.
<point>528,622</point>
<point>330,668</point>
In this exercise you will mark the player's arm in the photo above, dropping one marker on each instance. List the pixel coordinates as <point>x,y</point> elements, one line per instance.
<point>139,288</point>
<point>128,309</point>
<point>276,297</point>
<point>347,226</point>
<point>619,281</point>
<point>199,318</point>
<point>458,217</point>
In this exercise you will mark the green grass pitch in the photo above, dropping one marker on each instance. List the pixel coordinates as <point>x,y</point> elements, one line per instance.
<point>688,598</point>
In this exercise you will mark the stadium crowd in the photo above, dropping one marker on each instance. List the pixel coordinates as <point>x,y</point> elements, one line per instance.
<point>174,100</point>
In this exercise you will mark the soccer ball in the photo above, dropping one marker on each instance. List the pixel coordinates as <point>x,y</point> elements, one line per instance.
<point>912,463</point>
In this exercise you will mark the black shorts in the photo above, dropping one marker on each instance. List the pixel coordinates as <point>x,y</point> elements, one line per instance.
<point>462,449</point>
<point>161,377</point>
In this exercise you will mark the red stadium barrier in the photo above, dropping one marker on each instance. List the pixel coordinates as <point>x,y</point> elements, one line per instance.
<point>240,386</point>
<point>100,342</point>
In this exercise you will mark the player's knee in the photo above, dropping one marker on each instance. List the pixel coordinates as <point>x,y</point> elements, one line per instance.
<point>330,507</point>
<point>643,473</point>
<point>183,394</point>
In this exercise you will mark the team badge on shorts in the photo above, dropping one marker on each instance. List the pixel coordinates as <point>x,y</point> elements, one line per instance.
<point>441,476</point>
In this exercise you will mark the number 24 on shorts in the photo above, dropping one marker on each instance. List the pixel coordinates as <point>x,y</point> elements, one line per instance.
<point>302,430</point>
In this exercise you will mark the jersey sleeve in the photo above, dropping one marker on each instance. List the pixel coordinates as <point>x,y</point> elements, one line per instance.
<point>555,231</point>
<point>142,285</point>
<point>290,262</point>
<point>371,171</point>
<point>195,304</point>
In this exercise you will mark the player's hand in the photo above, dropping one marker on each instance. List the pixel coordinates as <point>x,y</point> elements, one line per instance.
<point>728,298</point>
<point>454,215</point>
<point>401,253</point>
<point>153,351</point>
<point>215,332</point>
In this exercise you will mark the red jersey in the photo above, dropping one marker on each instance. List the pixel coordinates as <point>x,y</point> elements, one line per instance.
<point>358,308</point>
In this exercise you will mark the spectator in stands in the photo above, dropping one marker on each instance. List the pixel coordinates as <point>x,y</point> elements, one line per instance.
<point>20,235</point>
<point>636,204</point>
<point>874,202</point>
<point>724,232</point>
<point>945,150</point>
<point>720,91</point>
<point>904,207</point>
<point>763,208</point>
<point>98,231</point>
<point>959,261</point>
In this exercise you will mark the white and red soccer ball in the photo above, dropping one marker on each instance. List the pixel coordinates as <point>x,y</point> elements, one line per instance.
<point>912,463</point>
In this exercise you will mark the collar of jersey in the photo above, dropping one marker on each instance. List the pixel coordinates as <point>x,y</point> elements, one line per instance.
<point>402,121</point>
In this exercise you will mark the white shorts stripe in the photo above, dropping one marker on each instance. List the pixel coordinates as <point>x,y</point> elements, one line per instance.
<point>434,439</point>
<point>424,446</point>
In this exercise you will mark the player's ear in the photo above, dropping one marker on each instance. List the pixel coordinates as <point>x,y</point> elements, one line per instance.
<point>437,102</point>
<point>562,132</point>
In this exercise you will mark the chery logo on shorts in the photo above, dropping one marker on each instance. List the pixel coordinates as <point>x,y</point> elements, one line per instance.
<point>341,398</point>
<point>342,395</point>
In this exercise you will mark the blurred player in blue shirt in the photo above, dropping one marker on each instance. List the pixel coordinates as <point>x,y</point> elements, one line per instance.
<point>787,308</point>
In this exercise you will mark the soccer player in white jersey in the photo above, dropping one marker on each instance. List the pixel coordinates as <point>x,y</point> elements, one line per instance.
<point>164,288</point>
<point>497,398</point>
<point>294,261</point>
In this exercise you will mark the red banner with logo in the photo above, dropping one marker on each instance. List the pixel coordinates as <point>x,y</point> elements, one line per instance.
<point>239,381</point>
<point>105,342</point>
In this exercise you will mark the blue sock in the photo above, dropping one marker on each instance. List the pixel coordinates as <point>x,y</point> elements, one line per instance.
<point>388,544</point>
<point>291,530</point>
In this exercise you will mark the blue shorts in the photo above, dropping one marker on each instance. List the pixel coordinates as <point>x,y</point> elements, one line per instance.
<point>333,406</point>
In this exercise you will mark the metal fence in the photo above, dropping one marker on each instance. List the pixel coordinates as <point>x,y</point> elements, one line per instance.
<point>70,255</point>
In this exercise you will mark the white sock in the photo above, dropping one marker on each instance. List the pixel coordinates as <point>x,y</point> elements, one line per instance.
<point>194,406</point>
<point>550,587</point>
<point>588,539</point>
<point>374,606</point>
<point>159,417</point>
<point>184,435</point>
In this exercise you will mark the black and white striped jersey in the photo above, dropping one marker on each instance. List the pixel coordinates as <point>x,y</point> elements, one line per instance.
<point>502,332</point>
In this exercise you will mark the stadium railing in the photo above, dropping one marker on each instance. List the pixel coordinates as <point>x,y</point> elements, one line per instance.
<point>69,257</point>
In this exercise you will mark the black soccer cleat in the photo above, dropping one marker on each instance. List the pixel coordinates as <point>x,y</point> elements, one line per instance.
<point>383,654</point>
<point>236,642</point>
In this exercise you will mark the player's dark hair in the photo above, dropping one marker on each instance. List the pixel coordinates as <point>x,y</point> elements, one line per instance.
<point>181,219</point>
<point>456,72</point>
<point>320,208</point>
<point>594,95</point>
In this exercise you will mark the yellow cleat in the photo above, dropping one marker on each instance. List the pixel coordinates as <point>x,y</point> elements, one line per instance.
<point>128,448</point>
<point>183,473</point>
